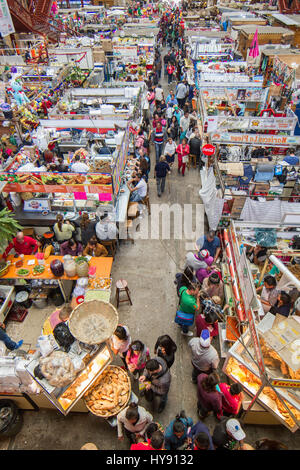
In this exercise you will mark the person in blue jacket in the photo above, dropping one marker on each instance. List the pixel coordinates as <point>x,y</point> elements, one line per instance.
<point>177,432</point>
<point>197,429</point>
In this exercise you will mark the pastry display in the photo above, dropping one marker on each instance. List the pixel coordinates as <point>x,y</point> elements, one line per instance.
<point>58,369</point>
<point>85,377</point>
<point>281,408</point>
<point>272,360</point>
<point>268,396</point>
<point>243,374</point>
<point>110,393</point>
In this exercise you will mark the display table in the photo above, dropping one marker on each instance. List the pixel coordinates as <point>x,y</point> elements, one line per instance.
<point>122,204</point>
<point>103,268</point>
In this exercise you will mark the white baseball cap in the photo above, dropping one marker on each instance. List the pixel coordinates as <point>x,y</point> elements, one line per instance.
<point>233,426</point>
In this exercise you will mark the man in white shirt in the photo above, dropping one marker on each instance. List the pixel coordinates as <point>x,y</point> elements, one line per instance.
<point>139,191</point>
<point>184,125</point>
<point>181,93</point>
<point>78,166</point>
<point>159,95</point>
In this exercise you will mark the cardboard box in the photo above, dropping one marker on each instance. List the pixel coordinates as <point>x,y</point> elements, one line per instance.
<point>99,56</point>
<point>106,45</point>
<point>262,187</point>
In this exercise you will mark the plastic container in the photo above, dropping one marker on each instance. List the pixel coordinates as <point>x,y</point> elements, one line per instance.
<point>82,269</point>
<point>69,266</point>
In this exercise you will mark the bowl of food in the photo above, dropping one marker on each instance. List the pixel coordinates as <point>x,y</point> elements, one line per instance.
<point>93,321</point>
<point>110,393</point>
<point>38,269</point>
<point>23,272</point>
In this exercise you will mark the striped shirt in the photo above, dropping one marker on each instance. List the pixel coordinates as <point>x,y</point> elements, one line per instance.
<point>159,136</point>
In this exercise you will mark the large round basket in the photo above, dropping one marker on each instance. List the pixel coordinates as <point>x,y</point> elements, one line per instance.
<point>93,321</point>
<point>97,386</point>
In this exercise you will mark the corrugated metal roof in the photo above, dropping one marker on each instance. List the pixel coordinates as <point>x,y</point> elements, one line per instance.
<point>286,19</point>
<point>250,29</point>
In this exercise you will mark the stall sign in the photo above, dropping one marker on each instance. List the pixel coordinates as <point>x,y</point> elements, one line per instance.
<point>262,139</point>
<point>123,50</point>
<point>285,383</point>
<point>208,149</point>
<point>255,341</point>
<point>245,123</point>
<point>143,49</point>
<point>57,182</point>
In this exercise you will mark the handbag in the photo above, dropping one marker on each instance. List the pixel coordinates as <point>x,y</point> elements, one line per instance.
<point>182,318</point>
<point>185,159</point>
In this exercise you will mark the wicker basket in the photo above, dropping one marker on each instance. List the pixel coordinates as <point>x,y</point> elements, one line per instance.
<point>109,414</point>
<point>93,312</point>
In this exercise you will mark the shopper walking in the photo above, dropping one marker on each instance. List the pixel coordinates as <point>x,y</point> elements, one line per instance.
<point>209,398</point>
<point>134,419</point>
<point>166,349</point>
<point>159,137</point>
<point>182,151</point>
<point>158,380</point>
<point>177,432</point>
<point>205,358</point>
<point>161,170</point>
<point>137,356</point>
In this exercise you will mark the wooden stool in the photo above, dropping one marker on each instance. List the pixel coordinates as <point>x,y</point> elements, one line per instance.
<point>111,245</point>
<point>121,286</point>
<point>146,202</point>
<point>133,210</point>
<point>192,159</point>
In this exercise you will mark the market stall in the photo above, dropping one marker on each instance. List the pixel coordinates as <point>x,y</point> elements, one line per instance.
<point>89,382</point>
<point>248,167</point>
<point>263,358</point>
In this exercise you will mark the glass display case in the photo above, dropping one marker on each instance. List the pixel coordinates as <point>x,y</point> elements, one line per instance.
<point>64,398</point>
<point>241,367</point>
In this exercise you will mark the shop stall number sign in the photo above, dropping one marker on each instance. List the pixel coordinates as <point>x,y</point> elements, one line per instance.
<point>285,383</point>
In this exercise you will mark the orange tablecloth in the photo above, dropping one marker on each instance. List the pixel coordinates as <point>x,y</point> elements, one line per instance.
<point>103,268</point>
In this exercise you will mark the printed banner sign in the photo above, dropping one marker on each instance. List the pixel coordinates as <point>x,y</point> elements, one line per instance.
<point>262,139</point>
<point>57,182</point>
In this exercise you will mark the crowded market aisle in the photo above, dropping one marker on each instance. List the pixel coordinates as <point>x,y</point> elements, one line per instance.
<point>149,267</point>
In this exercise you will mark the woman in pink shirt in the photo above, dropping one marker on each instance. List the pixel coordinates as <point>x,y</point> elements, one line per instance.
<point>183,151</point>
<point>136,358</point>
<point>232,398</point>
